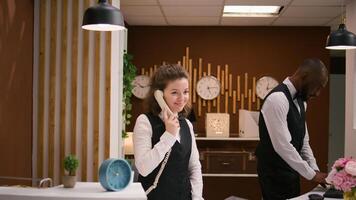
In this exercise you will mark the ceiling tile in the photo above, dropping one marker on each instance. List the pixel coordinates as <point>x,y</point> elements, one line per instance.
<point>141,11</point>
<point>138,2</point>
<point>208,12</point>
<point>192,11</point>
<point>145,20</point>
<point>191,2</point>
<point>301,21</point>
<point>257,2</point>
<point>193,21</point>
<point>246,21</point>
<point>312,12</point>
<point>316,3</point>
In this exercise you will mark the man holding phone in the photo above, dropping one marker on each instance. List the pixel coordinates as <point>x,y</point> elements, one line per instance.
<point>284,153</point>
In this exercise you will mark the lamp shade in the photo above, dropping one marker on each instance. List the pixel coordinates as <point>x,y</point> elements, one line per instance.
<point>341,39</point>
<point>103,17</point>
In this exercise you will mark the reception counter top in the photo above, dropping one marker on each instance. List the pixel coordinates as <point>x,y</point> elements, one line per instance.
<point>81,191</point>
<point>318,190</point>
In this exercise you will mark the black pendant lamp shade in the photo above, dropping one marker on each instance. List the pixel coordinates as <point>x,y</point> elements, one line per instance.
<point>103,17</point>
<point>341,39</point>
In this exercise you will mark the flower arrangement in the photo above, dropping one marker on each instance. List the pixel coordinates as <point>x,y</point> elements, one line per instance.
<point>343,177</point>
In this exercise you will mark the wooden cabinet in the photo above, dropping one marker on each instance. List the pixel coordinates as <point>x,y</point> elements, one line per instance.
<point>224,156</point>
<point>229,167</point>
<point>223,162</point>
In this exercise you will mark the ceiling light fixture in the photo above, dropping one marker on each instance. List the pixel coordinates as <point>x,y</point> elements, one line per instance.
<point>341,39</point>
<point>103,17</point>
<point>251,11</point>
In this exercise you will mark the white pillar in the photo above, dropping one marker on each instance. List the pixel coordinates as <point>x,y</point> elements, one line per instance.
<point>117,50</point>
<point>350,100</point>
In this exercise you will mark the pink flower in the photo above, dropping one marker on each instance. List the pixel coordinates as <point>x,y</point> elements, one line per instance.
<point>331,175</point>
<point>346,186</point>
<point>343,174</point>
<point>340,163</point>
<point>338,179</point>
<point>350,167</point>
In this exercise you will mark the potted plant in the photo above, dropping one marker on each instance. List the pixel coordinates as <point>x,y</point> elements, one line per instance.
<point>71,164</point>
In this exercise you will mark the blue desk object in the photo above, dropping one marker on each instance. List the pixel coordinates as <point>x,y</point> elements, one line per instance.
<point>115,174</point>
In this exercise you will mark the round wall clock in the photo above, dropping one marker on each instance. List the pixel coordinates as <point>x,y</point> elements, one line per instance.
<point>115,174</point>
<point>264,85</point>
<point>141,86</point>
<point>208,87</point>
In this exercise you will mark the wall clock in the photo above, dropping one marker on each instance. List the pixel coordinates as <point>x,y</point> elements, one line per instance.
<point>264,85</point>
<point>115,174</point>
<point>141,86</point>
<point>208,87</point>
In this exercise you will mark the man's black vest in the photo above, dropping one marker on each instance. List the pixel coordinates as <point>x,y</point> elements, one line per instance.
<point>174,183</point>
<point>269,160</point>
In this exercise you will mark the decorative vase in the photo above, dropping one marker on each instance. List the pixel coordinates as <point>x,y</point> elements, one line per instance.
<point>69,181</point>
<point>350,195</point>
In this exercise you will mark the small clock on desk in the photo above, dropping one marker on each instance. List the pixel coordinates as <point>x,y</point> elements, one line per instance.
<point>115,174</point>
<point>208,87</point>
<point>264,85</point>
<point>141,86</point>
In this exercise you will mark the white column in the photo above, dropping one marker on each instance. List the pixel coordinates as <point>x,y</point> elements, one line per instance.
<point>117,50</point>
<point>350,100</point>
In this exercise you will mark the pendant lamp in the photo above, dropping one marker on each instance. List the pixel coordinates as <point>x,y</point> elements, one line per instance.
<point>103,17</point>
<point>341,39</point>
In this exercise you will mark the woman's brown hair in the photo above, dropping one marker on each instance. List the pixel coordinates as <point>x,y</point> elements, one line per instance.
<point>159,80</point>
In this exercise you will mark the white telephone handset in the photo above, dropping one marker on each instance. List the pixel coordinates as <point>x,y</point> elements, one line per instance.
<point>162,103</point>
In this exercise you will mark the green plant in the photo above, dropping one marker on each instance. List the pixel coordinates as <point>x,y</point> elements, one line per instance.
<point>71,164</point>
<point>129,76</point>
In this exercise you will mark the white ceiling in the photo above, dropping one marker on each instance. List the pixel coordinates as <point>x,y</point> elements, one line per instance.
<point>209,13</point>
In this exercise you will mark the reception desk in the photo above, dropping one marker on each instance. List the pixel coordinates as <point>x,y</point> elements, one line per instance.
<point>318,190</point>
<point>81,191</point>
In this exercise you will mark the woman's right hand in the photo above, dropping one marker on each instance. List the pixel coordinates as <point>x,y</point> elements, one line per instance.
<point>171,123</point>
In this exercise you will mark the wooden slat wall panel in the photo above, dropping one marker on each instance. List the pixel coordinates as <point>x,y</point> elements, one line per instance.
<point>63,85</point>
<point>68,95</point>
<point>107,95</point>
<point>96,104</point>
<point>85,99</point>
<point>41,75</point>
<point>75,25</point>
<point>52,87</point>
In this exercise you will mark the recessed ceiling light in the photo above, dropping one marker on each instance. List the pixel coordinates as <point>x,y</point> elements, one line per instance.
<point>251,11</point>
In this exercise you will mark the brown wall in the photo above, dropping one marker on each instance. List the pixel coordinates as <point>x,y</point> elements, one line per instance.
<point>274,51</point>
<point>16,52</point>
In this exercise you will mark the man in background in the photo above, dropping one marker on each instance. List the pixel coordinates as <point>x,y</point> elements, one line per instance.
<point>284,153</point>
